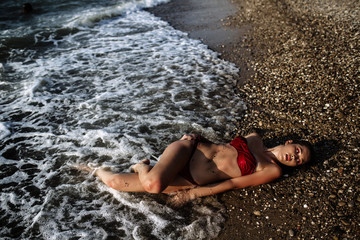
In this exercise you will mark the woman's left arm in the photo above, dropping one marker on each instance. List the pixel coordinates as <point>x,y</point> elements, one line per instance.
<point>268,174</point>
<point>181,197</point>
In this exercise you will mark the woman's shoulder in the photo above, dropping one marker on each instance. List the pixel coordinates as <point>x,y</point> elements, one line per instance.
<point>255,143</point>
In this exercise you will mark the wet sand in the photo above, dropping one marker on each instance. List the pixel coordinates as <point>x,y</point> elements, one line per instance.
<point>305,84</point>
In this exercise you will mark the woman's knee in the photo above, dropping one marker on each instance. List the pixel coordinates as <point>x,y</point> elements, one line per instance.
<point>183,147</point>
<point>153,185</point>
<point>158,180</point>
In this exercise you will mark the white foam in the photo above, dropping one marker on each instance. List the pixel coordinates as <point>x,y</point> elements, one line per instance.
<point>113,94</point>
<point>4,131</point>
<point>88,17</point>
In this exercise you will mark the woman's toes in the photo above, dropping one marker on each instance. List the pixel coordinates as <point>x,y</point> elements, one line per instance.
<point>82,167</point>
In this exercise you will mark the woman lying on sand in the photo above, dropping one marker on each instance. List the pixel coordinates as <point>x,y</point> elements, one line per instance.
<point>194,167</point>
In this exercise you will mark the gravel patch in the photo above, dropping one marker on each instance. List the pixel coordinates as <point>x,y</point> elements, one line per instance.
<point>305,56</point>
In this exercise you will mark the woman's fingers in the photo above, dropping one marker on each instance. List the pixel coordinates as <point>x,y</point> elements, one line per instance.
<point>189,137</point>
<point>178,198</point>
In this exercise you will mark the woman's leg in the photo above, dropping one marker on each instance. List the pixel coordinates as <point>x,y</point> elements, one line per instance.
<point>130,182</point>
<point>156,179</point>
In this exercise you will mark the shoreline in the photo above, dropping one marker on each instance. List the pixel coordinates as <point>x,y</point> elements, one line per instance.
<point>208,21</point>
<point>304,84</point>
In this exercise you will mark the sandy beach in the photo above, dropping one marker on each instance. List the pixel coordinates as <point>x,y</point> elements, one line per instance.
<point>299,74</point>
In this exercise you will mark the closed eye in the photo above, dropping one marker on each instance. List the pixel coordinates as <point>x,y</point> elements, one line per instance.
<point>298,153</point>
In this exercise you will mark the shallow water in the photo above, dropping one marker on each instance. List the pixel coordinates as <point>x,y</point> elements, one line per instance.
<point>107,83</point>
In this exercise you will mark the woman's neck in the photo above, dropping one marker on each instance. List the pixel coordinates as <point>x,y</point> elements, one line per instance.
<point>271,153</point>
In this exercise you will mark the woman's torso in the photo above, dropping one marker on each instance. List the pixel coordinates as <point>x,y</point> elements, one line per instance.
<point>212,162</point>
<point>216,162</point>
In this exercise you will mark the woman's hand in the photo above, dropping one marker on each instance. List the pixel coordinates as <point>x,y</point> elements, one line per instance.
<point>180,198</point>
<point>190,137</point>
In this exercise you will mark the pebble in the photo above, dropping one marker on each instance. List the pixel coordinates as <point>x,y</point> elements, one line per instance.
<point>305,84</point>
<point>291,233</point>
<point>257,213</point>
<point>345,223</point>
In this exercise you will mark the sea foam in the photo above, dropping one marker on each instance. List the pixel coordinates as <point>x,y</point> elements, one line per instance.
<point>110,93</point>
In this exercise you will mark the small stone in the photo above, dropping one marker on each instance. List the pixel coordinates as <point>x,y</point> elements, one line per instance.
<point>257,213</point>
<point>341,204</point>
<point>345,223</point>
<point>332,196</point>
<point>291,233</point>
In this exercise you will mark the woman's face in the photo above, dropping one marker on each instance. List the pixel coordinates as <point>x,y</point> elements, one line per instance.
<point>292,154</point>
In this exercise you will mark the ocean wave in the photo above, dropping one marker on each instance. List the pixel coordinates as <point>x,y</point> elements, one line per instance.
<point>90,16</point>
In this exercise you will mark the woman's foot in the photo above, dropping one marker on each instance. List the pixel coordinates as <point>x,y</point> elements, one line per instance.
<point>135,168</point>
<point>82,167</point>
<point>90,168</point>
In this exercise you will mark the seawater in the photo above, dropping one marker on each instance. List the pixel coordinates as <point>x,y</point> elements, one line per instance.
<point>109,83</point>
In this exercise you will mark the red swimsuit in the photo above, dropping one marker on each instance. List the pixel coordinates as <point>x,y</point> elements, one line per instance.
<point>245,160</point>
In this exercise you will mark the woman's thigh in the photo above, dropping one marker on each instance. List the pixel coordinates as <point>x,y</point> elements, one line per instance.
<point>172,161</point>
